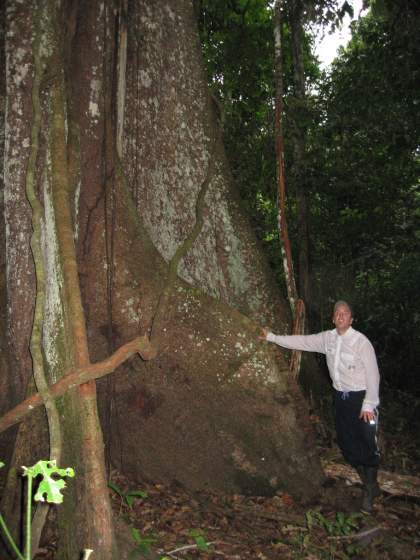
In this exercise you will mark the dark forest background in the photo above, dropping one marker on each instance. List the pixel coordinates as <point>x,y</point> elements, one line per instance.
<point>360,120</point>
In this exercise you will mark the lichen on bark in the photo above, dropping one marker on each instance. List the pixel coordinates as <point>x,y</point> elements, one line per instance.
<point>215,400</point>
<point>39,358</point>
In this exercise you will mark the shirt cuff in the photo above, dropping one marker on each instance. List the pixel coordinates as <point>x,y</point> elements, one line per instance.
<point>271,337</point>
<point>368,406</point>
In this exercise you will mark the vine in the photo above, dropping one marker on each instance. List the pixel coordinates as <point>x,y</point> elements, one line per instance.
<point>77,376</point>
<point>39,374</point>
<point>182,250</point>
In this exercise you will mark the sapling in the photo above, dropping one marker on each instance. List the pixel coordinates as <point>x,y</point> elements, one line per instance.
<point>128,497</point>
<point>49,490</point>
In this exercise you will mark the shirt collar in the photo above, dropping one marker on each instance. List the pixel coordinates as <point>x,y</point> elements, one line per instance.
<point>349,332</point>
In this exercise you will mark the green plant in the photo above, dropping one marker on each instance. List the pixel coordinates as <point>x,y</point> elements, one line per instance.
<point>338,528</point>
<point>49,489</point>
<point>128,497</point>
<point>143,543</point>
<point>325,537</point>
<point>342,524</point>
<point>199,539</point>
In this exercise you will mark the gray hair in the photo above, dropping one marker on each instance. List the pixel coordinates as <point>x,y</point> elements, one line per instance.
<point>342,302</point>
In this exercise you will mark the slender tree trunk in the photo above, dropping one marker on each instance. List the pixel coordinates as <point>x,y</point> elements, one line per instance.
<point>92,489</point>
<point>19,271</point>
<point>5,389</point>
<point>299,171</point>
<point>297,305</point>
<point>281,191</point>
<point>85,520</point>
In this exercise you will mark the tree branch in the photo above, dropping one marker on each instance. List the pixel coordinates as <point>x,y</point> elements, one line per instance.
<point>140,345</point>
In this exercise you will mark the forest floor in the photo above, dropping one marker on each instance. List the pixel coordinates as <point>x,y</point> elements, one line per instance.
<point>171,523</point>
<point>166,522</point>
<point>157,521</point>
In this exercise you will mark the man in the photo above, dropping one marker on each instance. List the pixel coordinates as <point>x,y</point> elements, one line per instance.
<point>354,373</point>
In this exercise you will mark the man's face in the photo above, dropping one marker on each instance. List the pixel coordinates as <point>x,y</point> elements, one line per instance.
<point>342,318</point>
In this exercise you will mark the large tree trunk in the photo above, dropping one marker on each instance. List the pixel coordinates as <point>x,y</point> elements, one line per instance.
<point>5,388</point>
<point>140,146</point>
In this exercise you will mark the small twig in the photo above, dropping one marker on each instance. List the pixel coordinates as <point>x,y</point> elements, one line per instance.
<point>357,536</point>
<point>189,547</point>
<point>280,516</point>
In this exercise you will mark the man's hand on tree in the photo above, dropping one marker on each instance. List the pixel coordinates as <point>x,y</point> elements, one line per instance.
<point>264,333</point>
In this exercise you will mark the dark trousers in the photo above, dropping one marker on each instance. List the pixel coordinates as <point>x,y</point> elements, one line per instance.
<point>355,437</point>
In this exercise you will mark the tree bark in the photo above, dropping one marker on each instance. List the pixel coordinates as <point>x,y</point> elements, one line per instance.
<point>297,305</point>
<point>215,408</point>
<point>299,128</point>
<point>77,377</point>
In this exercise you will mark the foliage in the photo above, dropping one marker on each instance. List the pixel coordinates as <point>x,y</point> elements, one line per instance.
<point>365,208</point>
<point>342,524</point>
<point>199,539</point>
<point>50,486</point>
<point>362,160</point>
<point>128,497</point>
<point>49,489</point>
<point>237,39</point>
<point>143,543</point>
<point>232,34</point>
<point>325,537</point>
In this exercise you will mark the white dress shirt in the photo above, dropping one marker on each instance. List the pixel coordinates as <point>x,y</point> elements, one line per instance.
<point>350,357</point>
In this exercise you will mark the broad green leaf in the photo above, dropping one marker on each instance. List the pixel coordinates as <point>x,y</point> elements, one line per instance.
<point>49,488</point>
<point>115,488</point>
<point>135,533</point>
<point>200,540</point>
<point>201,543</point>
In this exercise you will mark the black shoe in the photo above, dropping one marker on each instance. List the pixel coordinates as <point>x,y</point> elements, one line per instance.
<point>371,488</point>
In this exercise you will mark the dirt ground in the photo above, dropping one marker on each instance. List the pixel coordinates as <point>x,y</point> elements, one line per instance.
<point>166,522</point>
<point>173,524</point>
